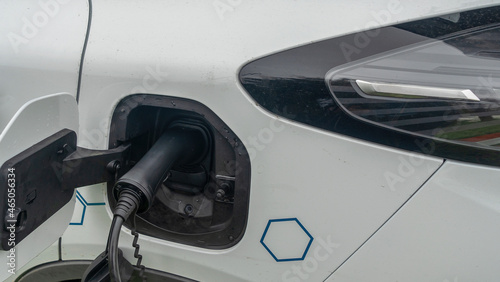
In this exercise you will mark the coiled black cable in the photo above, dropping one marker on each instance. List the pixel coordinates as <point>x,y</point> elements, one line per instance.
<point>142,268</point>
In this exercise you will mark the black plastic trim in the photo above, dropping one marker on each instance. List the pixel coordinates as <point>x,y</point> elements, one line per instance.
<point>37,191</point>
<point>86,167</point>
<point>292,84</point>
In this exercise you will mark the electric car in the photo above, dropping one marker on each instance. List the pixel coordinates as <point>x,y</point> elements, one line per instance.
<point>234,140</point>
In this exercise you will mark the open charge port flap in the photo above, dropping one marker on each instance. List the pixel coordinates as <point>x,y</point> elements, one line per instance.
<point>37,191</point>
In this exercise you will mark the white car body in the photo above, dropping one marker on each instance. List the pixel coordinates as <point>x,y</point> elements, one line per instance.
<point>437,222</point>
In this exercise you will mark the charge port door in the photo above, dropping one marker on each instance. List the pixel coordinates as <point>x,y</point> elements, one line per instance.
<point>35,207</point>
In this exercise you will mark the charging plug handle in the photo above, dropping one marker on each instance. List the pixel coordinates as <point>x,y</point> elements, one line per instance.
<point>183,143</point>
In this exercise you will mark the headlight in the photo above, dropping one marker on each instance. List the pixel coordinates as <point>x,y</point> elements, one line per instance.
<point>430,86</point>
<point>447,88</point>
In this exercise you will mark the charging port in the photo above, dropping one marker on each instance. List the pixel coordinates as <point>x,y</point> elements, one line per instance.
<point>201,202</point>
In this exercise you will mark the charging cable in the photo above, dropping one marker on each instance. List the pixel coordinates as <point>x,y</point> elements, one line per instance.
<point>183,143</point>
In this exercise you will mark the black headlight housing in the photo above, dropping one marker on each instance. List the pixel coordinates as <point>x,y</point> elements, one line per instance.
<point>429,86</point>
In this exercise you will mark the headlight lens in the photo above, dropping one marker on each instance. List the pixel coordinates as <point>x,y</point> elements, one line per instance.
<point>448,88</point>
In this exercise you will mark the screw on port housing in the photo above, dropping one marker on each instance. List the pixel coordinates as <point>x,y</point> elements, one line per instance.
<point>225,187</point>
<point>188,209</point>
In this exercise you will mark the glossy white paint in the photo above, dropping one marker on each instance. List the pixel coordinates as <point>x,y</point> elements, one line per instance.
<point>336,186</point>
<point>85,241</point>
<point>330,185</point>
<point>33,122</point>
<point>40,49</point>
<point>447,232</point>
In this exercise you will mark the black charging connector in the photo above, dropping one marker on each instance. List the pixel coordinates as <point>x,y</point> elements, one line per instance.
<point>182,143</point>
<point>185,142</point>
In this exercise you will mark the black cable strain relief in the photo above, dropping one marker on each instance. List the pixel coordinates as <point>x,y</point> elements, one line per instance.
<point>128,202</point>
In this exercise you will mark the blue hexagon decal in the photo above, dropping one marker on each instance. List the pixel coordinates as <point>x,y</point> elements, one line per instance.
<point>79,212</point>
<point>286,239</point>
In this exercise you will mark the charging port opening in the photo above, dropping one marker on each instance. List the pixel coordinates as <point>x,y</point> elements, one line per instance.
<point>203,203</point>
